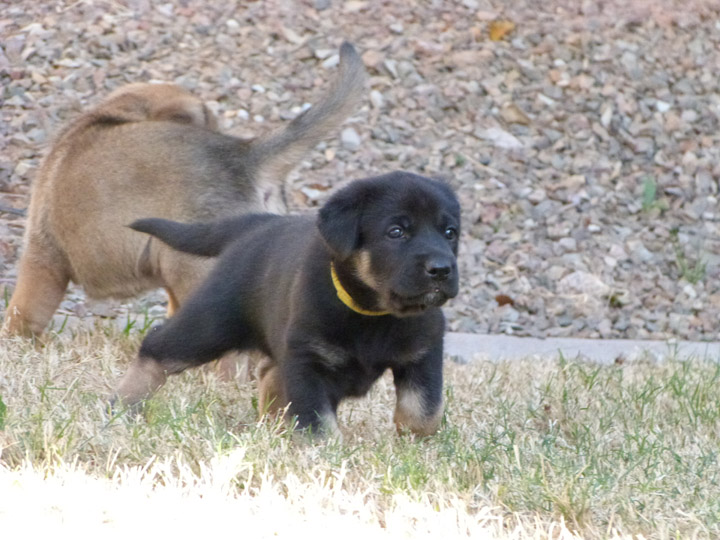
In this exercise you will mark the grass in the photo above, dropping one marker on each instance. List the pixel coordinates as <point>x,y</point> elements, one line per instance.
<point>650,200</point>
<point>693,269</point>
<point>531,449</point>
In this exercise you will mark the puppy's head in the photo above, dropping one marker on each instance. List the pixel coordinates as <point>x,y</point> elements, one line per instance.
<point>399,232</point>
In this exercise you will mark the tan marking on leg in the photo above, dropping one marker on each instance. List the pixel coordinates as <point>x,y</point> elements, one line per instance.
<point>271,391</point>
<point>143,378</point>
<point>410,413</point>
<point>173,304</point>
<point>329,427</point>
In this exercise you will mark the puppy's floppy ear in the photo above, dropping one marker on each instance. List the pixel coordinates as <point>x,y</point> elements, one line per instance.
<point>339,220</point>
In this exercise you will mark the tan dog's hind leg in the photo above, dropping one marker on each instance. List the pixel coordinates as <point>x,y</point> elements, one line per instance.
<point>40,289</point>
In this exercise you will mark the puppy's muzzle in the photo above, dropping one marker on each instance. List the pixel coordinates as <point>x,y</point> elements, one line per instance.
<point>435,281</point>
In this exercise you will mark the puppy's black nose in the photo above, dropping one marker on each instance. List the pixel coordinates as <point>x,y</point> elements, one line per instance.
<point>438,269</point>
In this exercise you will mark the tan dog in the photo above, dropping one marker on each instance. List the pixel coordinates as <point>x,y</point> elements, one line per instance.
<point>152,150</point>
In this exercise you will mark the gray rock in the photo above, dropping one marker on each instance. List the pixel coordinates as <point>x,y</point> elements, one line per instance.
<point>376,98</point>
<point>350,139</point>
<point>582,283</point>
<point>500,138</point>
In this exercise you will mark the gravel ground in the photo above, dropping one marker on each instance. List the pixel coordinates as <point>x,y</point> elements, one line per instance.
<point>582,136</point>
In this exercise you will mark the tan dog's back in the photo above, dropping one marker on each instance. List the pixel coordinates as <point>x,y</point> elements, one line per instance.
<point>138,102</point>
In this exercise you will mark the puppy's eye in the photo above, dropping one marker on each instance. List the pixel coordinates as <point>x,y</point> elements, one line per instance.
<point>396,232</point>
<point>451,233</point>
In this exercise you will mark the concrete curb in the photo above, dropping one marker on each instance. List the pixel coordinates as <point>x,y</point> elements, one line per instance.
<point>469,347</point>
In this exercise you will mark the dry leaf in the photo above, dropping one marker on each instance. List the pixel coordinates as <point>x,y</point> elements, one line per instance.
<point>500,29</point>
<point>504,299</point>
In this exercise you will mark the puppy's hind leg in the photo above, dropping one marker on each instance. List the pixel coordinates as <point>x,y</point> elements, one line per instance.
<point>182,273</point>
<point>201,331</point>
<point>42,280</point>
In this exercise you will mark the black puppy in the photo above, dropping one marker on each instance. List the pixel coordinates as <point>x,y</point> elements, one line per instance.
<point>333,301</point>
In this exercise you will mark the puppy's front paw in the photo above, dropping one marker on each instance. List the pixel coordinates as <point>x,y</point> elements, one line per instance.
<point>115,407</point>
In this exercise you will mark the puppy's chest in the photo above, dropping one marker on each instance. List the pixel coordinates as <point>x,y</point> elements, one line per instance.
<point>355,366</point>
<point>370,353</point>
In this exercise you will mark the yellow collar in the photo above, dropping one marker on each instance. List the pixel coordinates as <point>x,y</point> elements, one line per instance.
<point>346,299</point>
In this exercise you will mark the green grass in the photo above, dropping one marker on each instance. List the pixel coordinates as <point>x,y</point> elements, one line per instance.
<point>526,448</point>
<point>693,269</point>
<point>650,200</point>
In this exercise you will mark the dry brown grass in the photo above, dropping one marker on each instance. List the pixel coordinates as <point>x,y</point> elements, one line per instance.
<point>527,450</point>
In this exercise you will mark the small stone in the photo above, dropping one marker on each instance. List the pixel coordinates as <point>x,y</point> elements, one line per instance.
<point>350,139</point>
<point>690,291</point>
<point>537,196</point>
<point>662,106</point>
<point>568,244</point>
<point>606,116</point>
<point>512,114</point>
<point>638,251</point>
<point>101,308</point>
<point>617,252</point>
<point>372,58</point>
<point>396,28</point>
<point>23,168</point>
<point>157,312</point>
<point>166,9</point>
<point>622,324</point>
<point>391,66</point>
<point>580,282</point>
<point>500,138</point>
<point>546,100</point>
<point>555,273</point>
<point>322,54</point>
<point>321,5</point>
<point>690,116</point>
<point>376,98</point>
<point>605,328</point>
<point>556,232</point>
<point>331,62</point>
<point>79,309</point>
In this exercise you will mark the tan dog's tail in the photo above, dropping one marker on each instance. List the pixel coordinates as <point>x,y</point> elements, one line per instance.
<point>204,239</point>
<point>276,154</point>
